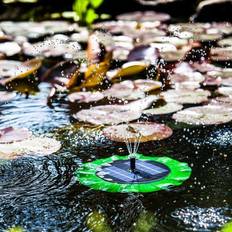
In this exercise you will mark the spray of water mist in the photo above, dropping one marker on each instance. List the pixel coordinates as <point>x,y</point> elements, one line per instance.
<point>133,147</point>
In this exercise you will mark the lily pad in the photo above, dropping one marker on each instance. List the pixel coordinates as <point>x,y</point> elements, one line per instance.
<point>227,91</point>
<point>85,97</point>
<point>29,146</point>
<point>10,48</point>
<point>205,67</point>
<point>96,73</point>
<point>147,85</point>
<point>173,56</point>
<point>125,91</point>
<point>221,54</point>
<point>132,90</point>
<point>183,96</point>
<point>223,73</point>
<point>10,135</point>
<point>134,132</point>
<point>143,52</point>
<point>177,42</point>
<point>144,16</point>
<point>128,69</point>
<point>115,114</point>
<point>188,77</point>
<point>101,117</point>
<point>227,101</point>
<point>166,109</point>
<point>211,81</point>
<point>52,48</point>
<point>227,42</point>
<point>34,30</point>
<point>11,70</point>
<point>204,115</point>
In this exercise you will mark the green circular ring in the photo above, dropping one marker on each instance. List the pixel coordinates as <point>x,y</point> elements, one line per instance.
<point>179,172</point>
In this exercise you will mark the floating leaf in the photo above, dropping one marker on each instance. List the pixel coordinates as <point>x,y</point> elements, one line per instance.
<point>31,146</point>
<point>226,91</point>
<point>221,54</point>
<point>11,70</point>
<point>147,131</point>
<point>73,79</point>
<point>96,73</point>
<point>227,42</point>
<point>125,90</point>
<point>204,115</point>
<point>147,85</point>
<point>144,52</point>
<point>166,109</point>
<point>115,114</point>
<point>65,74</point>
<point>186,96</point>
<point>54,46</point>
<point>85,97</point>
<point>10,48</point>
<point>109,116</point>
<point>10,135</point>
<point>144,16</point>
<point>128,69</point>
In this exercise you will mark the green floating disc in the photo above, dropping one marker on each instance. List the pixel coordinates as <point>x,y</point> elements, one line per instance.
<point>151,174</point>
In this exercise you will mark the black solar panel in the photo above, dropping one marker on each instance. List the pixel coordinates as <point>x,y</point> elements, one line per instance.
<point>146,171</point>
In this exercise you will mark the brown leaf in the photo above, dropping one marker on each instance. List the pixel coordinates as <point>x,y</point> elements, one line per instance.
<point>96,73</point>
<point>23,70</point>
<point>73,79</point>
<point>128,69</point>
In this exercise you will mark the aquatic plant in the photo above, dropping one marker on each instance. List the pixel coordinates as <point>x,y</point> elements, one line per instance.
<point>227,227</point>
<point>145,223</point>
<point>97,222</point>
<point>86,10</point>
<point>15,229</point>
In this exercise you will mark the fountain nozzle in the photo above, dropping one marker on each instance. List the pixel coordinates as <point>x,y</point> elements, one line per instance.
<point>132,157</point>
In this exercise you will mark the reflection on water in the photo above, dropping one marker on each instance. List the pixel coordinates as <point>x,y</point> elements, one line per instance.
<point>202,218</point>
<point>42,194</point>
<point>32,112</point>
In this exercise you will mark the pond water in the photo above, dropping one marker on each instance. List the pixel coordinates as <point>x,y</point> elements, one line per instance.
<point>42,193</point>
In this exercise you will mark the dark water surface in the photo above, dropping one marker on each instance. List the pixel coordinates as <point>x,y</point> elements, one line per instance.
<point>42,194</point>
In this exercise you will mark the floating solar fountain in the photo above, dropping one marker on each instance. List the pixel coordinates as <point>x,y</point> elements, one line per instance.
<point>133,173</point>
